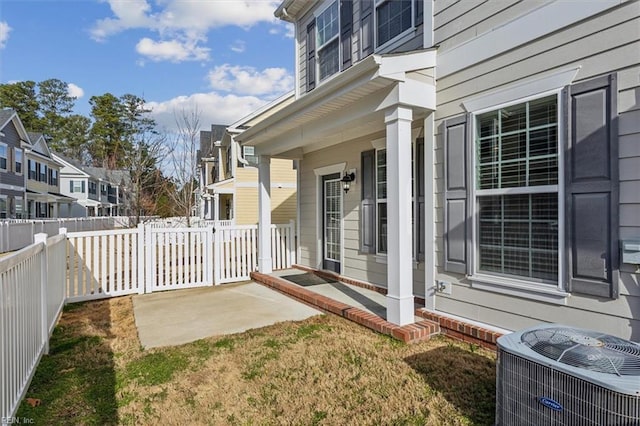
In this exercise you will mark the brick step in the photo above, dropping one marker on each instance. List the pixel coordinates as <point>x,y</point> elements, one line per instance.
<point>411,333</point>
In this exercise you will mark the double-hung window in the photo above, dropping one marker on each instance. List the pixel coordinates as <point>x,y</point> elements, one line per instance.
<point>33,174</point>
<point>43,173</point>
<point>374,221</point>
<point>393,17</point>
<point>516,189</point>
<point>3,156</point>
<point>18,160</point>
<point>328,41</point>
<point>381,200</point>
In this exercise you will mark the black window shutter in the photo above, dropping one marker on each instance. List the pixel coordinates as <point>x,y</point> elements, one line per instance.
<point>346,27</point>
<point>366,25</point>
<point>311,56</point>
<point>82,189</point>
<point>456,192</point>
<point>591,188</point>
<point>419,11</point>
<point>420,220</point>
<point>71,186</point>
<point>368,203</point>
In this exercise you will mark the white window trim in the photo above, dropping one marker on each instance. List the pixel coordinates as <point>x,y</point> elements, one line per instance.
<point>327,4</point>
<point>15,150</point>
<point>398,40</point>
<point>7,157</point>
<point>515,286</point>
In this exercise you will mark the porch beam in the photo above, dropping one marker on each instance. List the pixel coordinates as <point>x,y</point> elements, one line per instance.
<point>400,306</point>
<point>264,215</point>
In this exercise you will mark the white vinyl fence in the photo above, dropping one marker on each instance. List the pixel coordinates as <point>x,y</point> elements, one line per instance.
<point>19,233</point>
<point>36,281</point>
<point>236,251</point>
<point>32,293</point>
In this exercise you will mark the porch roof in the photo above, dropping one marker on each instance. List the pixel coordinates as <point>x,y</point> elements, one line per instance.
<point>349,105</point>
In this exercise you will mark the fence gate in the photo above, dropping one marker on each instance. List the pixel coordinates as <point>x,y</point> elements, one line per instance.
<point>178,258</point>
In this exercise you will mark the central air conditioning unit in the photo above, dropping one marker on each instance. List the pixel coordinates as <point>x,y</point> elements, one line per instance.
<point>557,375</point>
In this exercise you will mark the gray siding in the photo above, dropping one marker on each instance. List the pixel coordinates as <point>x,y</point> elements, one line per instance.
<point>416,42</point>
<point>365,267</point>
<point>607,43</point>
<point>12,139</point>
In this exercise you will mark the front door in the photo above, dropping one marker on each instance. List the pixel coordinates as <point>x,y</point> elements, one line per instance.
<point>331,222</point>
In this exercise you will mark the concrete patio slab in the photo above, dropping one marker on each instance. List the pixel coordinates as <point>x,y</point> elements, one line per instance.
<point>182,316</point>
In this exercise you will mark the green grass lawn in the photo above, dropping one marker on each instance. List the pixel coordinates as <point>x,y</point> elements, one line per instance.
<point>324,370</point>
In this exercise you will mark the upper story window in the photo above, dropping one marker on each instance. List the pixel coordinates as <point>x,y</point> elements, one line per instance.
<point>76,186</point>
<point>43,173</point>
<point>327,26</point>
<point>93,188</point>
<point>33,169</point>
<point>516,187</point>
<point>53,177</point>
<point>103,189</point>
<point>3,156</point>
<point>18,160</point>
<point>393,17</point>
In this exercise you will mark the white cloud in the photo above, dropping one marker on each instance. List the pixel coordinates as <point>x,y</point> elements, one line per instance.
<point>181,22</point>
<point>173,50</point>
<point>250,81</point>
<point>5,29</point>
<point>75,91</point>
<point>212,107</point>
<point>238,46</point>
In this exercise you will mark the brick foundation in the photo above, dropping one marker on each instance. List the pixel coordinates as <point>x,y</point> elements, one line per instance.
<point>462,331</point>
<point>410,333</point>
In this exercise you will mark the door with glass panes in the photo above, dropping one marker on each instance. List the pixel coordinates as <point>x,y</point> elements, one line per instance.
<point>331,222</point>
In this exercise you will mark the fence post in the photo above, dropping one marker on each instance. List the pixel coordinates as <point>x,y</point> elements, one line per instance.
<point>140,255</point>
<point>44,274</point>
<point>291,243</point>
<point>149,267</point>
<point>215,248</point>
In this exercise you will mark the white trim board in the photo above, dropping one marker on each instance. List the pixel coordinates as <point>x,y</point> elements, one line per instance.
<point>517,91</point>
<point>539,22</point>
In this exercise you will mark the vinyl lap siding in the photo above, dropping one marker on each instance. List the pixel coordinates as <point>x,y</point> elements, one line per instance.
<point>12,139</point>
<point>600,45</point>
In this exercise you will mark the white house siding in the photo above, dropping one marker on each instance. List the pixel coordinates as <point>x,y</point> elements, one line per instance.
<point>364,267</point>
<point>605,43</point>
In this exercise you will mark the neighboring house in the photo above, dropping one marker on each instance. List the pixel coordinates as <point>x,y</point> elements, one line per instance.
<point>77,183</point>
<point>12,165</point>
<point>494,147</point>
<point>42,174</point>
<point>112,194</point>
<point>230,180</point>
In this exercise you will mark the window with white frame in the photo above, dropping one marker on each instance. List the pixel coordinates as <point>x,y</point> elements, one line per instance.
<point>19,208</point>
<point>33,174</point>
<point>381,200</point>
<point>3,207</point>
<point>3,156</point>
<point>18,160</point>
<point>393,17</point>
<point>516,190</point>
<point>43,173</point>
<point>328,41</point>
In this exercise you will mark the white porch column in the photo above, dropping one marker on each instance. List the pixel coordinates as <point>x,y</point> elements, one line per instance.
<point>264,215</point>
<point>214,209</point>
<point>400,307</point>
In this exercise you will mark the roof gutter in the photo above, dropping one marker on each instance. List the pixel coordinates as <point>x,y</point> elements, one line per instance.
<point>281,11</point>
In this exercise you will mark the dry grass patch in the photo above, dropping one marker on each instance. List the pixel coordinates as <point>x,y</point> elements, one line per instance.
<point>324,370</point>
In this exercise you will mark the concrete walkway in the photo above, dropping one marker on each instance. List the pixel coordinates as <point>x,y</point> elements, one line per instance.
<point>181,316</point>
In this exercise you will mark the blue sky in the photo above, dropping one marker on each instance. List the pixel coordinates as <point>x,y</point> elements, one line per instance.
<point>225,57</point>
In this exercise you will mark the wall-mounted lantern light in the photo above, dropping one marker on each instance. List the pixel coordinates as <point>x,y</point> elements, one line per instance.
<point>346,180</point>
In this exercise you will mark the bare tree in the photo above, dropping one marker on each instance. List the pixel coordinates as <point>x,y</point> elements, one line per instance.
<point>184,161</point>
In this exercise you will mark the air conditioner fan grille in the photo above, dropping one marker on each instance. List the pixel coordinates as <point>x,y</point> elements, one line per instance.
<point>586,349</point>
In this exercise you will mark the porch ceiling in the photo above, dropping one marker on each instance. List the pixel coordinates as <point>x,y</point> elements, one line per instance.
<point>350,105</point>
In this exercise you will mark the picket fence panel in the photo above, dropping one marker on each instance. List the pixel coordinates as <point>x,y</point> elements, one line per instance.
<point>31,298</point>
<point>178,258</point>
<point>236,251</point>
<point>103,264</point>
